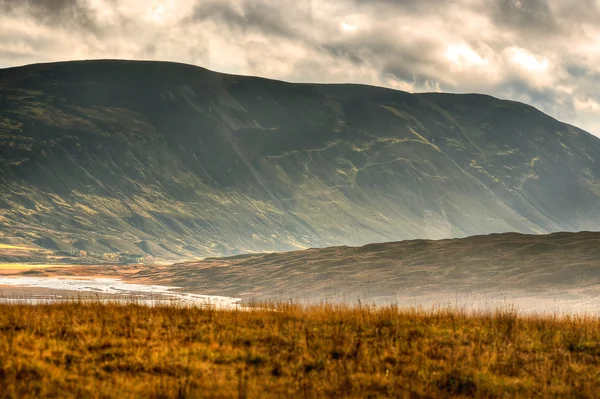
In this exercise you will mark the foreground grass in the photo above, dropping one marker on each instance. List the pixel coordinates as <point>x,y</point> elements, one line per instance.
<point>85,350</point>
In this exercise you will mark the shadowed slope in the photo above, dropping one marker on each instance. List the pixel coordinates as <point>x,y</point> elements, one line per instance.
<point>214,164</point>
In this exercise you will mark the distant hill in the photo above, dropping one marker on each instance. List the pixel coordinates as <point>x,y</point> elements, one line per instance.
<point>554,272</point>
<point>207,164</point>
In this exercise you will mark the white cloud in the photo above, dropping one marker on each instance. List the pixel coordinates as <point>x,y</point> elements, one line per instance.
<point>348,27</point>
<point>528,61</point>
<point>463,55</point>
<point>544,52</point>
<point>587,104</point>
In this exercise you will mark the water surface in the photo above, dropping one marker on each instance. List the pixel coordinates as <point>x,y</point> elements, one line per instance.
<point>109,289</point>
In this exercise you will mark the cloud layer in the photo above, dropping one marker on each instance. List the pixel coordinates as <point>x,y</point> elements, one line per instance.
<point>543,52</point>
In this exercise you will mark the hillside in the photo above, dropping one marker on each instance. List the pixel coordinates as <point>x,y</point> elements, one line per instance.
<point>539,273</point>
<point>176,161</point>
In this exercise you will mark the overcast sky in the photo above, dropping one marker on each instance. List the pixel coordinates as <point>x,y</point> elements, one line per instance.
<point>542,52</point>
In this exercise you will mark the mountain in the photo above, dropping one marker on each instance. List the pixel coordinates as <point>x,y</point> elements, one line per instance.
<point>177,161</point>
<point>555,272</point>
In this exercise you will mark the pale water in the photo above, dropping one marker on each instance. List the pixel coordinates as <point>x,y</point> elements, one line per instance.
<point>140,293</point>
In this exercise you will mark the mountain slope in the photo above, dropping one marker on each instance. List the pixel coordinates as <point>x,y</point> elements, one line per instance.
<point>207,163</point>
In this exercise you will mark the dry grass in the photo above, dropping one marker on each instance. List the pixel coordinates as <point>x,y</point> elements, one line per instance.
<point>29,266</point>
<point>95,350</point>
<point>17,247</point>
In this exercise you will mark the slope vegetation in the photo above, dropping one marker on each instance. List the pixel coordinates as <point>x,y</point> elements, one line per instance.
<point>203,163</point>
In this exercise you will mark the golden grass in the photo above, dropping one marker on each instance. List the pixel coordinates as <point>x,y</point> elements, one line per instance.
<point>9,246</point>
<point>26,266</point>
<point>95,350</point>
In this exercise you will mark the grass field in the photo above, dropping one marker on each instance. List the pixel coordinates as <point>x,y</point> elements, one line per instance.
<point>96,350</point>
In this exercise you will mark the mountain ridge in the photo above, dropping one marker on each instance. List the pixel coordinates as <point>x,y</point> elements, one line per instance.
<point>182,156</point>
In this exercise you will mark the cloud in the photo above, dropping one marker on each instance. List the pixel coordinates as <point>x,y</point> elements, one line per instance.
<point>544,52</point>
<point>57,13</point>
<point>587,104</point>
<point>255,16</point>
<point>531,17</point>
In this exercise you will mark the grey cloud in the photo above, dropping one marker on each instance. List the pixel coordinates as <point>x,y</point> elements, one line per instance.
<point>581,71</point>
<point>545,97</point>
<point>148,51</point>
<point>407,67</point>
<point>377,47</point>
<point>577,70</point>
<point>256,15</point>
<point>55,12</point>
<point>583,76</point>
<point>354,54</point>
<point>579,11</point>
<point>527,15</point>
<point>405,6</point>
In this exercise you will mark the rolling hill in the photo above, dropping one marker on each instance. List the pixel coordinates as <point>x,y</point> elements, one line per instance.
<point>553,272</point>
<point>176,161</point>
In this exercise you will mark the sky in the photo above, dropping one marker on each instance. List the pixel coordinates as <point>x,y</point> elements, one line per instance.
<point>542,52</point>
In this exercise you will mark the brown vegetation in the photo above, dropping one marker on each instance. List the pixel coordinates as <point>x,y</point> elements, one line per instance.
<point>106,350</point>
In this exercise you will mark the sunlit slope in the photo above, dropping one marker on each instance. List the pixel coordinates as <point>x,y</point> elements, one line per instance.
<point>203,163</point>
